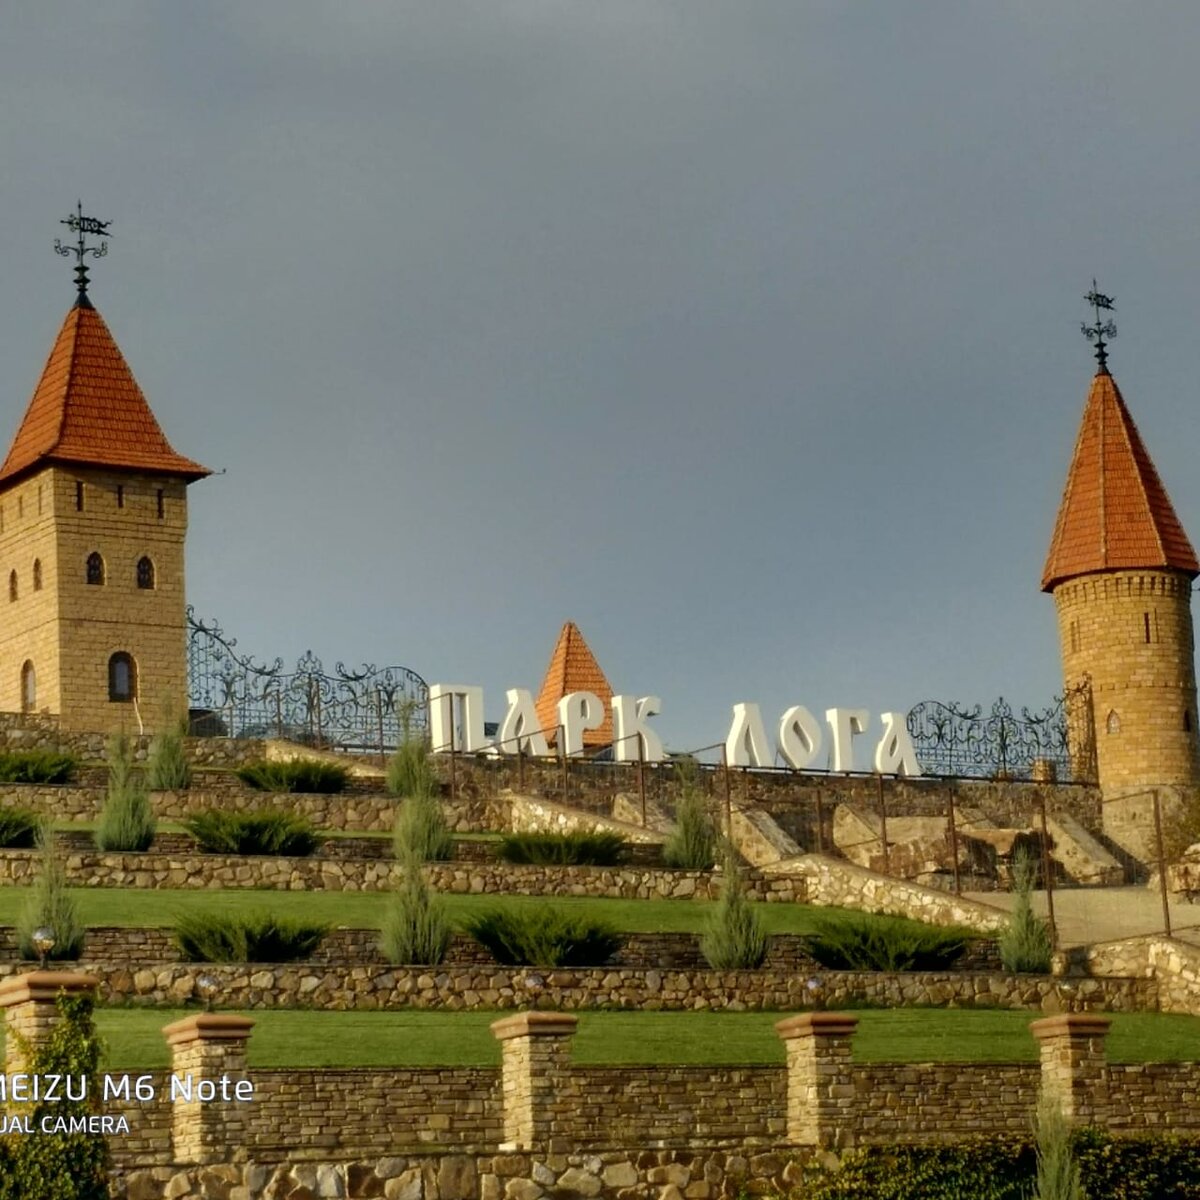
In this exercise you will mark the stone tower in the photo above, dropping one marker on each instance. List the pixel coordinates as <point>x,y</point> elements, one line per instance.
<point>1120,568</point>
<point>93,512</point>
<point>573,668</point>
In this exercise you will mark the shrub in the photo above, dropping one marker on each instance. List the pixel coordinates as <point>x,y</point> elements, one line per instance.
<point>1057,1170</point>
<point>126,821</point>
<point>421,831</point>
<point>582,849</point>
<point>18,828</point>
<point>267,831</point>
<point>415,926</point>
<point>216,937</point>
<point>543,936</point>
<point>36,766</point>
<point>693,842</point>
<point>1025,941</point>
<point>60,1166</point>
<point>50,905</point>
<point>734,940</point>
<point>300,775</point>
<point>410,773</point>
<point>867,942</point>
<point>168,766</point>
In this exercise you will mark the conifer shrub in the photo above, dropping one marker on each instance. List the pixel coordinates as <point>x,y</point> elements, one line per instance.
<point>416,929</point>
<point>544,936</point>
<point>868,942</point>
<point>261,937</point>
<point>300,775</point>
<point>126,820</point>
<point>1058,1175</point>
<point>735,939</point>
<point>410,772</point>
<point>265,831</point>
<point>60,1166</point>
<point>578,849</point>
<point>18,828</point>
<point>36,766</point>
<point>692,844</point>
<point>50,905</point>
<point>421,831</point>
<point>1024,942</point>
<point>168,769</point>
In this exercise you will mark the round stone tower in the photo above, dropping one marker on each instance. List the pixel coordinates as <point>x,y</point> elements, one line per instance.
<point>1120,568</point>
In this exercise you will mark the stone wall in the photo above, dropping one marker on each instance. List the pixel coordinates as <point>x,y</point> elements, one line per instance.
<point>1173,965</point>
<point>338,986</point>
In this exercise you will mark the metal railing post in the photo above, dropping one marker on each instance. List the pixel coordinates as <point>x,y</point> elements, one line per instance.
<point>728,798</point>
<point>453,770</point>
<point>642,777</point>
<point>883,837</point>
<point>820,824</point>
<point>1047,870</point>
<point>1162,865</point>
<point>953,840</point>
<point>562,754</point>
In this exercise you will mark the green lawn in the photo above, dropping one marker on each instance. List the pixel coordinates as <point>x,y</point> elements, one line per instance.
<point>300,1038</point>
<point>363,910</point>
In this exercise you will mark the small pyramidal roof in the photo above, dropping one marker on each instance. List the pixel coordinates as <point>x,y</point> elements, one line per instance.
<point>573,668</point>
<point>87,409</point>
<point>1115,513</point>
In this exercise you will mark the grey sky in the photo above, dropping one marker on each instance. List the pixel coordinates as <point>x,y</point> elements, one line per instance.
<point>743,334</point>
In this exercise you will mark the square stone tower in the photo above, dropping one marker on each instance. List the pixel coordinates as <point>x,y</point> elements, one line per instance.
<point>93,513</point>
<point>1120,568</point>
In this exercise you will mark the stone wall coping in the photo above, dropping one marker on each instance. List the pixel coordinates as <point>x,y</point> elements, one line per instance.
<point>44,985</point>
<point>534,1024</point>
<point>817,1024</point>
<point>1078,1025</point>
<point>208,1027</point>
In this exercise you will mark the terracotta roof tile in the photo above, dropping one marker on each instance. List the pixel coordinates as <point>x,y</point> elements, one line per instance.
<point>88,409</point>
<point>573,668</point>
<point>1115,513</point>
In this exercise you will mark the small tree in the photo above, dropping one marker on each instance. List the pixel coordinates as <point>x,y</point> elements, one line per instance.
<point>421,831</point>
<point>1024,942</point>
<point>50,906</point>
<point>61,1166</point>
<point>692,844</point>
<point>735,939</point>
<point>127,820</point>
<point>1058,1174</point>
<point>169,770</point>
<point>415,926</point>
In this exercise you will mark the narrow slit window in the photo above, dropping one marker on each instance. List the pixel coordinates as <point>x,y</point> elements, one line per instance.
<point>1146,626</point>
<point>95,569</point>
<point>122,678</point>
<point>120,495</point>
<point>79,495</point>
<point>37,574</point>
<point>160,504</point>
<point>1187,720</point>
<point>28,687</point>
<point>12,586</point>
<point>145,574</point>
<point>1113,724</point>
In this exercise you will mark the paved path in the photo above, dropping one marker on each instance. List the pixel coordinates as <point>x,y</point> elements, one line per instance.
<point>1085,915</point>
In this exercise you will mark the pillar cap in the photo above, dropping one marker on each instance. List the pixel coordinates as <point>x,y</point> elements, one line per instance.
<point>1070,1025</point>
<point>534,1024</point>
<point>44,985</point>
<point>208,1027</point>
<point>816,1024</point>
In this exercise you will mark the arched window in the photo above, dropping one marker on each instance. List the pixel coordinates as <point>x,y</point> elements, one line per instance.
<point>1113,724</point>
<point>28,687</point>
<point>145,573</point>
<point>12,586</point>
<point>95,568</point>
<point>122,677</point>
<point>37,574</point>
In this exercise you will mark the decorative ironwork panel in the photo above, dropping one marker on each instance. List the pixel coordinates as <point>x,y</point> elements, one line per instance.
<point>1056,742</point>
<point>232,695</point>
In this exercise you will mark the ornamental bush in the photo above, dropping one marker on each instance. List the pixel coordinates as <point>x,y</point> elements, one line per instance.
<point>415,926</point>
<point>168,768</point>
<point>18,828</point>
<point>299,775</point>
<point>265,831</point>
<point>410,772</point>
<point>869,942</point>
<point>734,939</point>
<point>580,849</point>
<point>216,937</point>
<point>421,831</point>
<point>126,820</point>
<point>36,766</point>
<point>50,906</point>
<point>543,936</point>
<point>692,844</point>
<point>1025,941</point>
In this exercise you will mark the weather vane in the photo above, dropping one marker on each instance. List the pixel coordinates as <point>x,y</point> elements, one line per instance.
<point>81,225</point>
<point>1101,329</point>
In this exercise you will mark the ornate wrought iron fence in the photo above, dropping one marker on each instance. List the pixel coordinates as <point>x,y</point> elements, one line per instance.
<point>231,695</point>
<point>1056,742</point>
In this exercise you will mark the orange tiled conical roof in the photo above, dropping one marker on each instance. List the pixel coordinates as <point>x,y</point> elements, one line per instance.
<point>573,668</point>
<point>88,409</point>
<point>1115,513</point>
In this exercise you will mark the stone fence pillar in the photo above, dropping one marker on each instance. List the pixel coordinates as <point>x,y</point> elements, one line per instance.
<point>820,1090</point>
<point>536,1049</point>
<point>30,1012</point>
<point>1073,1062</point>
<point>208,1060</point>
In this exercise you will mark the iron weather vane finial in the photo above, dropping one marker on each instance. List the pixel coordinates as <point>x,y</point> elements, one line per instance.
<point>1102,328</point>
<point>80,225</point>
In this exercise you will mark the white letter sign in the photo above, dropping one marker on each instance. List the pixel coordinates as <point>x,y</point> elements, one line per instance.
<point>520,730</point>
<point>630,731</point>
<point>746,745</point>
<point>799,737</point>
<point>577,712</point>
<point>895,754</point>
<point>844,723</point>
<point>441,718</point>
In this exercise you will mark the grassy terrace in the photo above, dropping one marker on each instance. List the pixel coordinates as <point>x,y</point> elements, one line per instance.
<point>293,1038</point>
<point>363,910</point>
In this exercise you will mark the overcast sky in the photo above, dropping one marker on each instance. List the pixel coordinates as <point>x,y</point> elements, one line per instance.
<point>745,334</point>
